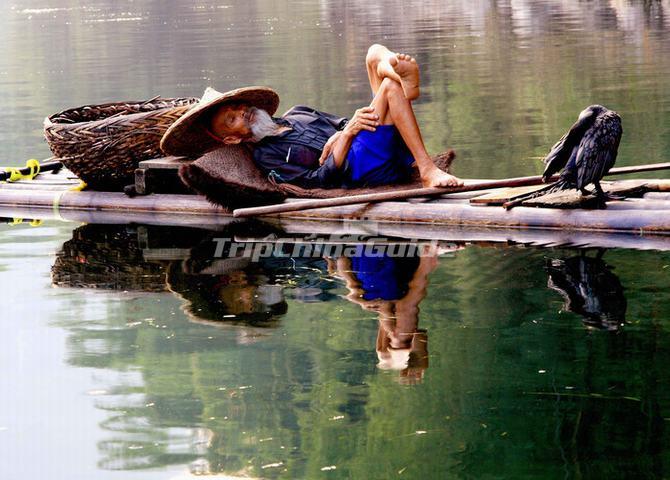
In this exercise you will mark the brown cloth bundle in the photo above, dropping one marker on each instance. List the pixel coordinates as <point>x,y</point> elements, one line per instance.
<point>228,177</point>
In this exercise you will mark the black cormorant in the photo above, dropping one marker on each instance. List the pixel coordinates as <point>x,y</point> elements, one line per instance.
<point>585,153</point>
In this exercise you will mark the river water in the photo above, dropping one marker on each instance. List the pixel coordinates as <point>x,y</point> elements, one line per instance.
<point>128,351</point>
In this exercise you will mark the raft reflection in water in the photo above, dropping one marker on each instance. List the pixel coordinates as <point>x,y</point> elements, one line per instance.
<point>238,291</point>
<point>235,290</point>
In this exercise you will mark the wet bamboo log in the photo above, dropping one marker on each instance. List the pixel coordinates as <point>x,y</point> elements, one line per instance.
<point>611,219</point>
<point>657,195</point>
<point>522,217</point>
<point>420,231</point>
<point>645,215</point>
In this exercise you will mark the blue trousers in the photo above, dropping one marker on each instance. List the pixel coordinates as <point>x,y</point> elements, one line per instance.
<point>378,158</point>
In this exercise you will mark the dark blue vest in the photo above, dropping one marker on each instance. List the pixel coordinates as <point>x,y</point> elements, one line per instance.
<point>293,156</point>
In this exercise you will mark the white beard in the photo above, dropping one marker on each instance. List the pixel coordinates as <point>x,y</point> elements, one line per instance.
<point>262,125</point>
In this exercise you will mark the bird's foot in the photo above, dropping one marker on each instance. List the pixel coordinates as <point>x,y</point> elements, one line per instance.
<point>610,196</point>
<point>602,198</point>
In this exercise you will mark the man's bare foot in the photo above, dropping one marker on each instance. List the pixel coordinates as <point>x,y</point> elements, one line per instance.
<point>408,71</point>
<point>437,178</point>
<point>383,63</point>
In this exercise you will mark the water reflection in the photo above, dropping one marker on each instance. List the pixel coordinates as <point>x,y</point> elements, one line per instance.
<point>106,257</point>
<point>590,289</point>
<point>261,368</point>
<point>229,289</point>
<point>392,287</point>
<point>217,289</point>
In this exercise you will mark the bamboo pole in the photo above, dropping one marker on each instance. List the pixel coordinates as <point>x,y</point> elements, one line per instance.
<point>423,192</point>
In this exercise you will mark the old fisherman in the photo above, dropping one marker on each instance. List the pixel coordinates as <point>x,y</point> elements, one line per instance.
<point>380,144</point>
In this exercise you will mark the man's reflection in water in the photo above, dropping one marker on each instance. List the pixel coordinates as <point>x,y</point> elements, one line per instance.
<point>392,287</point>
<point>233,290</point>
<point>590,289</point>
<point>239,290</point>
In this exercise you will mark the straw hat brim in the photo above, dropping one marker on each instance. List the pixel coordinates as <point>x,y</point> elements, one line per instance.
<point>188,136</point>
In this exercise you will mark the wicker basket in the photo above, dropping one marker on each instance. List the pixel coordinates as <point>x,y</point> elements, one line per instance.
<point>103,144</point>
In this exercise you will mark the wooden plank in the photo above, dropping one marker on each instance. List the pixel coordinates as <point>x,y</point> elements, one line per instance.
<point>575,199</point>
<point>503,195</point>
<point>141,182</point>
<point>160,176</point>
<point>165,163</point>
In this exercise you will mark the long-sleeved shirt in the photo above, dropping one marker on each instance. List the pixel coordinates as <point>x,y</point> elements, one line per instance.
<point>293,155</point>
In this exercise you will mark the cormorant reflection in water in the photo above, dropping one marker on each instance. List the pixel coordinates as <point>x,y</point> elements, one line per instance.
<point>590,289</point>
<point>393,287</point>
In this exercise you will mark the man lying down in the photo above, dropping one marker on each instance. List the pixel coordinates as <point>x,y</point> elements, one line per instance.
<point>380,144</point>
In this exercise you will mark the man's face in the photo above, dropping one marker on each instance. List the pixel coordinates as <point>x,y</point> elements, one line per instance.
<point>232,123</point>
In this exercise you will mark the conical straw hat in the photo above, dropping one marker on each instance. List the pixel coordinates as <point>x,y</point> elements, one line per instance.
<point>188,135</point>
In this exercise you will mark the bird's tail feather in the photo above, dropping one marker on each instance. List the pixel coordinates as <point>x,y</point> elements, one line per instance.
<point>557,186</point>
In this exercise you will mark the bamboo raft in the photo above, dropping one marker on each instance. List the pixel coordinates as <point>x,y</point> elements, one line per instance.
<point>636,223</point>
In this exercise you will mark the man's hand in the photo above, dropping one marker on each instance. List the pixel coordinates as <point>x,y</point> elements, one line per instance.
<point>338,145</point>
<point>364,119</point>
<point>328,147</point>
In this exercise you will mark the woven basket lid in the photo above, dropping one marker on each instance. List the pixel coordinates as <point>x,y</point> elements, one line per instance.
<point>188,135</point>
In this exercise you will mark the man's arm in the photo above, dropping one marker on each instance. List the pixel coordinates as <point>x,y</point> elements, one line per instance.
<point>288,163</point>
<point>338,123</point>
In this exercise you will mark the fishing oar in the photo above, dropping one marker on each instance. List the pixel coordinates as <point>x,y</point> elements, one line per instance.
<point>30,171</point>
<point>423,192</point>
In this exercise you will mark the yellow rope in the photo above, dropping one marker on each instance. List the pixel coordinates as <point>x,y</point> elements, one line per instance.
<point>78,188</point>
<point>35,222</point>
<point>15,173</point>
